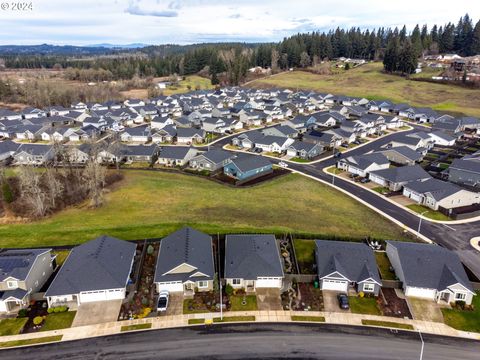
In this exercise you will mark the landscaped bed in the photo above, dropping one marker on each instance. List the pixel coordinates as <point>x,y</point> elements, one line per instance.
<point>308,298</point>
<point>466,320</point>
<point>395,306</point>
<point>202,302</point>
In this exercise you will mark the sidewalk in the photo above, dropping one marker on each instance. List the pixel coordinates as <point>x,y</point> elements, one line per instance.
<point>164,322</point>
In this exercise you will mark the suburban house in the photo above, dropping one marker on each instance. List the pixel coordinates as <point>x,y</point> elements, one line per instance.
<point>437,194</point>
<point>185,262</point>
<point>140,153</point>
<point>274,144</point>
<point>212,160</point>
<point>465,171</point>
<point>280,130</point>
<point>253,262</point>
<point>396,177</point>
<point>329,141</point>
<point>442,139</point>
<point>23,272</point>
<point>176,155</point>
<point>342,264</point>
<point>247,167</point>
<point>7,150</point>
<point>402,155</point>
<point>304,150</point>
<point>33,154</point>
<point>98,270</point>
<point>190,135</point>
<point>362,165</point>
<point>164,135</point>
<point>430,272</point>
<point>139,134</point>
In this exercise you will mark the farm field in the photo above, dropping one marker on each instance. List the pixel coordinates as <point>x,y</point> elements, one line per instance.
<point>369,81</point>
<point>153,204</point>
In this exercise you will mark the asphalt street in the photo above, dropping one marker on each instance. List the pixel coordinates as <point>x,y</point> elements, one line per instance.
<point>454,237</point>
<point>256,341</point>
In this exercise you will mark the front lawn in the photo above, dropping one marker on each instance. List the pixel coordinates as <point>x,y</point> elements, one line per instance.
<point>152,204</point>
<point>236,303</point>
<point>462,319</point>
<point>384,266</point>
<point>431,214</point>
<point>381,190</point>
<point>365,305</point>
<point>300,160</point>
<point>305,251</point>
<point>12,326</point>
<point>56,321</point>
<point>334,170</point>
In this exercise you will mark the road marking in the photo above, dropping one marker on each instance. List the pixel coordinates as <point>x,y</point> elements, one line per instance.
<point>449,227</point>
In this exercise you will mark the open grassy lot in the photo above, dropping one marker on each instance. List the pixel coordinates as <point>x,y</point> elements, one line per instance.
<point>364,305</point>
<point>193,81</point>
<point>12,326</point>
<point>464,320</point>
<point>369,81</point>
<point>56,321</point>
<point>151,204</point>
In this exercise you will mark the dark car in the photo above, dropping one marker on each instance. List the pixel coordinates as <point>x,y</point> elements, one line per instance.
<point>343,301</point>
<point>257,150</point>
<point>365,180</point>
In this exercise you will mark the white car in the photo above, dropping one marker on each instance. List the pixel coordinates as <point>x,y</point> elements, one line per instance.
<point>162,304</point>
<point>283,164</point>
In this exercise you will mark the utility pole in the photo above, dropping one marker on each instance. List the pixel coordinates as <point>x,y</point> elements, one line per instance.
<point>219,277</point>
<point>334,169</point>
<point>420,222</point>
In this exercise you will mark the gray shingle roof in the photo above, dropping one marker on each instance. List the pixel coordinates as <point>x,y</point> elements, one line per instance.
<point>216,156</point>
<point>366,160</point>
<point>430,266</point>
<point>174,152</point>
<point>102,263</point>
<point>402,174</point>
<point>17,263</point>
<point>437,188</point>
<point>185,246</point>
<point>406,152</point>
<point>355,261</point>
<point>251,256</point>
<point>250,162</point>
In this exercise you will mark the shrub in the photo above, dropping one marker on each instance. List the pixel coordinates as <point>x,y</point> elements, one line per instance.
<point>150,249</point>
<point>7,192</point>
<point>22,313</point>
<point>50,310</point>
<point>37,320</point>
<point>229,290</point>
<point>361,294</point>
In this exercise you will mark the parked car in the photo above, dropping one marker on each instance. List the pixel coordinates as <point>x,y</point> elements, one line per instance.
<point>283,164</point>
<point>257,150</point>
<point>344,145</point>
<point>338,154</point>
<point>343,301</point>
<point>162,304</point>
<point>365,181</point>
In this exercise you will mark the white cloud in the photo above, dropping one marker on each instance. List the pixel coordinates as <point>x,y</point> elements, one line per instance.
<point>188,21</point>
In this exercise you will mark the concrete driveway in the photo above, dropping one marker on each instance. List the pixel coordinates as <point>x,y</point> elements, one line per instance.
<point>269,299</point>
<point>175,305</point>
<point>330,302</point>
<point>97,312</point>
<point>426,310</point>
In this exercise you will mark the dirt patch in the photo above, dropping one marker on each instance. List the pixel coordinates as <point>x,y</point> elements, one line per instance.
<point>269,299</point>
<point>426,310</point>
<point>135,94</point>
<point>308,298</point>
<point>395,306</point>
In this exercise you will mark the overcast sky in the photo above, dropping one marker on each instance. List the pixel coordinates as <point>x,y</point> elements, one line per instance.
<point>83,22</point>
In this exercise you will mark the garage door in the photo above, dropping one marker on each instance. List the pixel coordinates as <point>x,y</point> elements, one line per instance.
<point>174,286</point>
<point>93,296</point>
<point>269,282</point>
<point>420,292</point>
<point>336,285</point>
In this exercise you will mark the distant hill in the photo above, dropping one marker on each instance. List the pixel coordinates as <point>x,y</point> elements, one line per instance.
<point>46,49</point>
<point>118,46</point>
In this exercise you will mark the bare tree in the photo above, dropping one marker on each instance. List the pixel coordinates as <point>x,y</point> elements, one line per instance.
<point>94,175</point>
<point>31,191</point>
<point>275,58</point>
<point>54,186</point>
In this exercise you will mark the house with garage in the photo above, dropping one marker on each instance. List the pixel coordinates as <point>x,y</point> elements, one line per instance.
<point>159,122</point>
<point>6,114</point>
<point>325,119</point>
<point>362,165</point>
<point>437,194</point>
<point>442,139</point>
<point>7,149</point>
<point>430,272</point>
<point>342,265</point>
<point>416,143</point>
<point>302,123</point>
<point>280,130</point>
<point>247,140</point>
<point>138,134</point>
<point>140,153</point>
<point>304,150</point>
<point>211,160</point>
<point>395,178</point>
<point>33,154</point>
<point>346,137</point>
<point>98,270</point>
<point>252,262</point>
<point>328,141</point>
<point>176,155</point>
<point>465,171</point>
<point>274,144</point>
<point>402,155</point>
<point>23,272</point>
<point>190,136</point>
<point>164,135</point>
<point>185,263</point>
<point>247,167</point>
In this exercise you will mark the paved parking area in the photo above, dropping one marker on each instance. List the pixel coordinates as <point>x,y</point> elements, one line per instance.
<point>97,312</point>
<point>269,299</point>
<point>426,310</point>
<point>330,302</point>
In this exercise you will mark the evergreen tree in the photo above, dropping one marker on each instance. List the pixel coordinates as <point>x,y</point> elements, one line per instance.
<point>475,45</point>
<point>407,58</point>
<point>416,41</point>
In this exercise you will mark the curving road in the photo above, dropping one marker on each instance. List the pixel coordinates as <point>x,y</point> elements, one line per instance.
<point>454,237</point>
<point>256,341</point>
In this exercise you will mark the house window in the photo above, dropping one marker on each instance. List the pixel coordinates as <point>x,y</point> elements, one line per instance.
<point>202,284</point>
<point>368,287</point>
<point>460,296</point>
<point>12,284</point>
<point>236,281</point>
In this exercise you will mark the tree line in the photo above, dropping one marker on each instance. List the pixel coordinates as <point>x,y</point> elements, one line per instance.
<point>397,47</point>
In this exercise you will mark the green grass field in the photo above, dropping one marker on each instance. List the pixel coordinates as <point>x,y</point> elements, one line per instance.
<point>236,302</point>
<point>370,82</point>
<point>56,321</point>
<point>193,81</point>
<point>464,320</point>
<point>12,326</point>
<point>364,305</point>
<point>151,204</point>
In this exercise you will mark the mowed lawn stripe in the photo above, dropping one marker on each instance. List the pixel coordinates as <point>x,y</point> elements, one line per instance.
<point>150,204</point>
